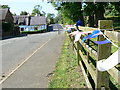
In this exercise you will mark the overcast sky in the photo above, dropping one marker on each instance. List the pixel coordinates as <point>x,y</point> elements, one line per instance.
<point>16,6</point>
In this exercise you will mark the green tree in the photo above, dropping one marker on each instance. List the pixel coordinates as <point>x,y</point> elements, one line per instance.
<point>113,9</point>
<point>96,9</point>
<point>23,13</point>
<point>14,14</point>
<point>69,11</point>
<point>50,18</point>
<point>43,13</point>
<point>4,6</point>
<point>37,10</point>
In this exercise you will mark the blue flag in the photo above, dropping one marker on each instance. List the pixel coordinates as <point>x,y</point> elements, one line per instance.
<point>78,23</point>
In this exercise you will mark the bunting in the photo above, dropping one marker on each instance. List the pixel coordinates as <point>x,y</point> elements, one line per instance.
<point>102,42</point>
<point>68,31</point>
<point>110,62</point>
<point>94,34</point>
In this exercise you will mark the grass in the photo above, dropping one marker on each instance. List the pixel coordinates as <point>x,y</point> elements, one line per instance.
<point>67,73</point>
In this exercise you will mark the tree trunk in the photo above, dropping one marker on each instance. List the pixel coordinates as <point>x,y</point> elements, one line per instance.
<point>99,13</point>
<point>91,21</point>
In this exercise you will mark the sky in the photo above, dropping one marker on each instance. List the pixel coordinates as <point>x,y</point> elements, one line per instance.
<point>16,6</point>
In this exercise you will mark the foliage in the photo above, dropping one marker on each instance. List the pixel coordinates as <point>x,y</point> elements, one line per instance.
<point>50,18</point>
<point>58,19</point>
<point>7,26</point>
<point>69,12</point>
<point>4,6</point>
<point>37,10</point>
<point>23,13</point>
<point>43,13</point>
<point>14,14</point>
<point>113,9</point>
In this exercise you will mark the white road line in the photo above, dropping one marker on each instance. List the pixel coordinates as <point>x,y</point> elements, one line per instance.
<point>23,62</point>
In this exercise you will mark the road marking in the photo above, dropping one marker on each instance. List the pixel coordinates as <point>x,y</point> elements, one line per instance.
<point>5,78</point>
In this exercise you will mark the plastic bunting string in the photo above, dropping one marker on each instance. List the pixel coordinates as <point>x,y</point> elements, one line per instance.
<point>110,40</point>
<point>110,62</point>
<point>102,42</point>
<point>73,33</point>
<point>69,31</point>
<point>94,34</point>
<point>78,34</point>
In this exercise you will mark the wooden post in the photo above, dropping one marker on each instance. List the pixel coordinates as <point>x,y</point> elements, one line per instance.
<point>78,54</point>
<point>104,52</point>
<point>88,60</point>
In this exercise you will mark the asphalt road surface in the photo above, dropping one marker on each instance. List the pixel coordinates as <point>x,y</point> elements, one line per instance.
<point>40,51</point>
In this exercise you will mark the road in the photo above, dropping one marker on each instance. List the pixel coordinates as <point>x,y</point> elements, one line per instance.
<point>39,51</point>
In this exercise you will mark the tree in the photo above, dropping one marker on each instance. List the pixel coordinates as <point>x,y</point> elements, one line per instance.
<point>96,9</point>
<point>4,6</point>
<point>69,11</point>
<point>14,14</point>
<point>43,13</point>
<point>37,10</point>
<point>23,13</point>
<point>50,18</point>
<point>113,9</point>
<point>99,9</point>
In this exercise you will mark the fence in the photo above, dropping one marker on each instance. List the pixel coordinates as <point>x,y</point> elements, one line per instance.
<point>88,54</point>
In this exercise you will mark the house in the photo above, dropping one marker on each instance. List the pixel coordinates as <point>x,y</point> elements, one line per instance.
<point>7,22</point>
<point>6,15</point>
<point>28,23</point>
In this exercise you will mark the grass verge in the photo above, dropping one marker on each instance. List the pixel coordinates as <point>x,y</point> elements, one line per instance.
<point>67,73</point>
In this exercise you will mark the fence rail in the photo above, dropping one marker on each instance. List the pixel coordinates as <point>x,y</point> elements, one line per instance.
<point>87,58</point>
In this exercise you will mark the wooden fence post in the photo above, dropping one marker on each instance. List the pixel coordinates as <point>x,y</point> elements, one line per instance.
<point>104,52</point>
<point>78,54</point>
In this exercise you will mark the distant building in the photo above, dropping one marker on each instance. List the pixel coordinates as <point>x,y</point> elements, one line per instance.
<point>6,17</point>
<point>28,23</point>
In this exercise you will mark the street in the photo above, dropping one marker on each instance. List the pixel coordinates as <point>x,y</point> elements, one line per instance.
<point>37,53</point>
